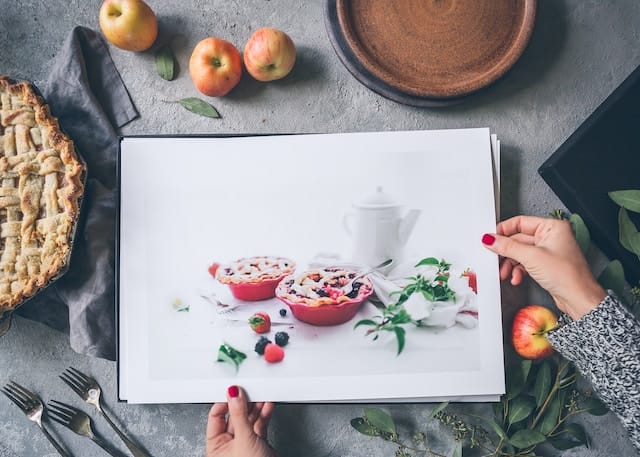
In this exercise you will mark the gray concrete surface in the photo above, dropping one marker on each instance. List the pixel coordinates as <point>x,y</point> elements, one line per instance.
<point>580,51</point>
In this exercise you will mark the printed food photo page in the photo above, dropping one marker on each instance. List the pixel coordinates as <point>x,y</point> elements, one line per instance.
<point>309,268</point>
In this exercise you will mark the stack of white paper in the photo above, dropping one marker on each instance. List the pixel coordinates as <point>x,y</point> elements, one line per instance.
<point>318,200</point>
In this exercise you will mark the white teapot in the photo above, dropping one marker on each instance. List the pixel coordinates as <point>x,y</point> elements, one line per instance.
<point>378,229</point>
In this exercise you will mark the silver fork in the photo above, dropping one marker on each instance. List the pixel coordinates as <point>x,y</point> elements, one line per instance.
<point>77,421</point>
<point>32,406</point>
<point>89,390</point>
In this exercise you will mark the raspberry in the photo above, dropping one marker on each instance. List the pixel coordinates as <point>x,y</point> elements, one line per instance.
<point>282,338</point>
<point>261,344</point>
<point>273,353</point>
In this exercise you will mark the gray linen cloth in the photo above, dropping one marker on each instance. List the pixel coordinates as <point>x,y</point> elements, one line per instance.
<point>87,95</point>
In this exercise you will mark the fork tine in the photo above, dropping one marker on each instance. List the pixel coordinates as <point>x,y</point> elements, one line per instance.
<point>80,375</point>
<point>60,412</point>
<point>64,407</point>
<point>16,393</point>
<point>19,403</point>
<point>73,386</point>
<point>75,378</point>
<point>58,420</point>
<point>77,387</point>
<point>27,393</point>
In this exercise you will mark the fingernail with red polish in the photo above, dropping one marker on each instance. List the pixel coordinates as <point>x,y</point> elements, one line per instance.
<point>488,239</point>
<point>233,391</point>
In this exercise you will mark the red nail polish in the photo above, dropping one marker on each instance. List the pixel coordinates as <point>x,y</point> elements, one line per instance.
<point>233,391</point>
<point>488,239</point>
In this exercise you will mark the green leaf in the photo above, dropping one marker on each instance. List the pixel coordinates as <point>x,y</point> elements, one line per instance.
<point>526,438</point>
<point>517,378</point>
<point>543,383</point>
<point>551,417</point>
<point>361,425</point>
<point>595,407</point>
<point>165,63</point>
<point>629,236</point>
<point>228,354</point>
<point>520,408</point>
<point>629,199</point>
<point>496,428</point>
<point>400,335</point>
<point>457,449</point>
<point>197,106</point>
<point>365,322</point>
<point>437,409</point>
<point>578,432</point>
<point>613,277</point>
<point>581,232</point>
<point>380,420</point>
<point>563,444</point>
<point>498,411</point>
<point>428,261</point>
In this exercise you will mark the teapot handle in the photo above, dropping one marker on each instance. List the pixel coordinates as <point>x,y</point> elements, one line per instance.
<point>346,223</point>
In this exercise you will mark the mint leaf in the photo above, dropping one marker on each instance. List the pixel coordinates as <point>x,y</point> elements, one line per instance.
<point>230,355</point>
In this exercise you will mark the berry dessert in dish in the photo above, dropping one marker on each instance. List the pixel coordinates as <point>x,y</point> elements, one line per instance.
<point>254,278</point>
<point>325,296</point>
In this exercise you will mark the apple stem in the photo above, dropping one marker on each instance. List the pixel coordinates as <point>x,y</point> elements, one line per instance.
<point>216,62</point>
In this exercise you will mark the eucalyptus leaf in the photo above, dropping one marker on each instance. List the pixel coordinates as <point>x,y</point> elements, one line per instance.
<point>380,420</point>
<point>550,417</point>
<point>457,449</point>
<point>563,444</point>
<point>629,235</point>
<point>628,199</point>
<point>612,277</point>
<point>361,425</point>
<point>520,408</point>
<point>526,438</point>
<point>498,411</point>
<point>595,407</point>
<point>517,378</point>
<point>578,432</point>
<point>166,63</point>
<point>438,408</point>
<point>496,428</point>
<point>542,385</point>
<point>581,232</point>
<point>197,106</point>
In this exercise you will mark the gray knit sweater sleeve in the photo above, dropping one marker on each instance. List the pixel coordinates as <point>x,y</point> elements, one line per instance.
<point>605,347</point>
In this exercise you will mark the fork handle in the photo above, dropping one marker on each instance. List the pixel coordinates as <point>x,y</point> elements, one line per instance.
<point>134,448</point>
<point>104,446</point>
<point>53,441</point>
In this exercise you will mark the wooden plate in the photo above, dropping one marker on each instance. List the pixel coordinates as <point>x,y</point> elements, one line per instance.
<point>436,49</point>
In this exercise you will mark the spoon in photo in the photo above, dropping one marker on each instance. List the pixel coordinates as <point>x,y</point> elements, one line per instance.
<point>348,287</point>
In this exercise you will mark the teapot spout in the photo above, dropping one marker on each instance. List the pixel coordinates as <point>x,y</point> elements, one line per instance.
<point>407,224</point>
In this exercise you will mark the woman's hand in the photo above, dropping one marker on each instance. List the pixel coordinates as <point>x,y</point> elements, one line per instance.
<point>547,250</point>
<point>237,428</point>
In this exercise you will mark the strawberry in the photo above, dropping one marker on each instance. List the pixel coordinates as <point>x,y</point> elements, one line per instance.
<point>213,268</point>
<point>260,322</point>
<point>273,353</point>
<point>473,280</point>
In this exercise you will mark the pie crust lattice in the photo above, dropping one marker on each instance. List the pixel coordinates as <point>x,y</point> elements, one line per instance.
<point>40,191</point>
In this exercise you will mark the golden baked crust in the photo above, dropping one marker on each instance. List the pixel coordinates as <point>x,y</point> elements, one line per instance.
<point>40,190</point>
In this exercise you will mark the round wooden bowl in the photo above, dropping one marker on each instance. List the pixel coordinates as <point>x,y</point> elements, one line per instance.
<point>437,48</point>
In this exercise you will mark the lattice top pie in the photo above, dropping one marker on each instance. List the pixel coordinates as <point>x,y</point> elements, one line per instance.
<point>323,286</point>
<point>255,269</point>
<point>40,190</point>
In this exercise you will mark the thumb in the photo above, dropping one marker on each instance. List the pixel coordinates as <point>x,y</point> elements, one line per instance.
<point>507,247</point>
<point>239,411</point>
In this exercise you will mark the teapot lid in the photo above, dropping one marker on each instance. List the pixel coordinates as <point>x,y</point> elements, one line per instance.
<point>378,199</point>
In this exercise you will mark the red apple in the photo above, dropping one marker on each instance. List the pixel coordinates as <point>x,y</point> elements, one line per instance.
<point>529,330</point>
<point>128,24</point>
<point>215,66</point>
<point>269,54</point>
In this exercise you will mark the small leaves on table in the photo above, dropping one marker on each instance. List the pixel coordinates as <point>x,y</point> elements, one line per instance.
<point>581,232</point>
<point>166,63</point>
<point>380,420</point>
<point>526,438</point>
<point>197,106</point>
<point>543,383</point>
<point>628,199</point>
<point>629,235</point>
<point>612,277</point>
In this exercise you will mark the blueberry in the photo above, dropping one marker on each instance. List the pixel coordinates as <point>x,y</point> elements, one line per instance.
<point>282,338</point>
<point>261,344</point>
<point>283,312</point>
